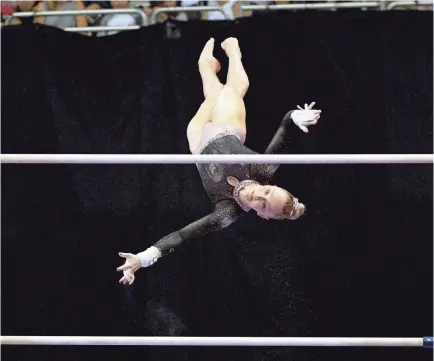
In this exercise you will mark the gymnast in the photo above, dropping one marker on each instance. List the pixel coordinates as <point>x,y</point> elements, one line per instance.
<point>219,127</point>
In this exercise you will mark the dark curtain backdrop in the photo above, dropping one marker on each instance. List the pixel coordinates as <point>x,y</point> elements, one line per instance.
<point>358,264</point>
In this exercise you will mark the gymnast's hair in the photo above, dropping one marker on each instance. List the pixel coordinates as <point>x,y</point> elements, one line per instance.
<point>292,208</point>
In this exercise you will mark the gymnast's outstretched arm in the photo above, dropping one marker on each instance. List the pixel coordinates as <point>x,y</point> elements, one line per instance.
<point>225,213</point>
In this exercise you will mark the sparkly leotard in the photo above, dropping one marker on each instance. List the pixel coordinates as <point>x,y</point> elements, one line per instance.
<point>227,208</point>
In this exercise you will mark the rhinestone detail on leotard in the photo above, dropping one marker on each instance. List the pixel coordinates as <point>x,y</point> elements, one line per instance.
<point>237,190</point>
<point>218,136</point>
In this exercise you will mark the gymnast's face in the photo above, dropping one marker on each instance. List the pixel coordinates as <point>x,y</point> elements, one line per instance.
<point>268,201</point>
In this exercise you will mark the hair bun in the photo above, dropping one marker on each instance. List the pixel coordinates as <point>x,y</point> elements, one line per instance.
<point>298,211</point>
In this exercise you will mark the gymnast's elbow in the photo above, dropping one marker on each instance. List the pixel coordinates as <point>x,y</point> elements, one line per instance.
<point>226,221</point>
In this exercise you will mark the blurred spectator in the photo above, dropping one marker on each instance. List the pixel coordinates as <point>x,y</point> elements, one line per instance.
<point>259,2</point>
<point>418,7</point>
<point>10,7</point>
<point>118,19</point>
<point>145,6</point>
<point>161,17</point>
<point>140,4</point>
<point>7,9</point>
<point>61,21</point>
<point>24,6</point>
<point>95,5</point>
<point>231,10</point>
<point>193,15</point>
<point>247,13</point>
<point>190,2</point>
<point>180,16</point>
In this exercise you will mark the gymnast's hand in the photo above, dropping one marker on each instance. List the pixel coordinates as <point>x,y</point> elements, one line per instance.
<point>306,117</point>
<point>131,265</point>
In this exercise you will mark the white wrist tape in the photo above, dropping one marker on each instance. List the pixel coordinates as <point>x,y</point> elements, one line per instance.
<point>149,257</point>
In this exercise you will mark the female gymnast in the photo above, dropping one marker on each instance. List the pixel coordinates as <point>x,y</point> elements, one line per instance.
<point>219,127</point>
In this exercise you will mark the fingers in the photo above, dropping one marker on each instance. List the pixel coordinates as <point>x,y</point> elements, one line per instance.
<point>123,267</point>
<point>132,279</point>
<point>312,122</point>
<point>125,281</point>
<point>304,129</point>
<point>311,119</point>
<point>306,106</point>
<point>315,114</point>
<point>128,278</point>
<point>125,255</point>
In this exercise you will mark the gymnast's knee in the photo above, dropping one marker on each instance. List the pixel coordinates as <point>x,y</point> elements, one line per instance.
<point>240,86</point>
<point>229,94</point>
<point>229,100</point>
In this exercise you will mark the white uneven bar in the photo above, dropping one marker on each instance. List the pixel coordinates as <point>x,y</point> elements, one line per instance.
<point>219,158</point>
<point>213,341</point>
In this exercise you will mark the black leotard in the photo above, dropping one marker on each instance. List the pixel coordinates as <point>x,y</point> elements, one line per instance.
<point>214,179</point>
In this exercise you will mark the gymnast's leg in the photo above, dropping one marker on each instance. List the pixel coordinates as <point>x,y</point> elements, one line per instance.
<point>229,107</point>
<point>208,69</point>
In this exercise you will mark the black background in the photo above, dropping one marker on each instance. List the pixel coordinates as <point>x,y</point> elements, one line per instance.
<point>358,264</point>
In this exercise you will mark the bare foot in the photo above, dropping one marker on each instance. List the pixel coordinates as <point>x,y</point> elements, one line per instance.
<point>207,60</point>
<point>231,47</point>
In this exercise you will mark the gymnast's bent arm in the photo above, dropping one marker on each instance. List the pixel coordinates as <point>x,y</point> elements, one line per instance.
<point>302,118</point>
<point>225,213</point>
